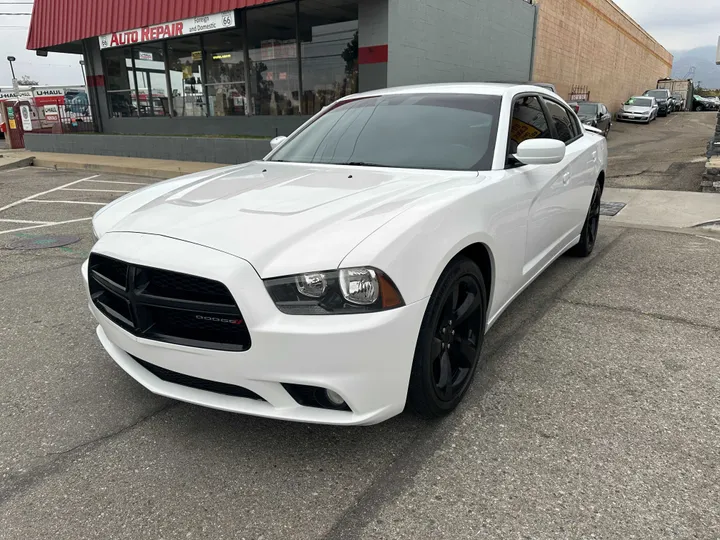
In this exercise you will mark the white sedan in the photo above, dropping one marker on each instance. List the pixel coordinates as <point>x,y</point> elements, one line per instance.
<point>357,268</point>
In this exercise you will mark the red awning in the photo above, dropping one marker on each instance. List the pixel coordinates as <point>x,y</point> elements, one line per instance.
<point>56,22</point>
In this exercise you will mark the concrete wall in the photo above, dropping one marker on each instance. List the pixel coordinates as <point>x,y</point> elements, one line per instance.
<point>459,40</point>
<point>176,148</point>
<point>594,43</point>
<point>254,126</point>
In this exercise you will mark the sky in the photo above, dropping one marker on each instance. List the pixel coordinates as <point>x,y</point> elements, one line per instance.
<point>678,26</point>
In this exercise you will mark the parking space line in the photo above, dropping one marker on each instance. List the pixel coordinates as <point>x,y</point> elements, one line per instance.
<point>26,199</point>
<point>97,190</point>
<point>48,225</point>
<point>67,202</point>
<point>119,182</point>
<point>25,221</point>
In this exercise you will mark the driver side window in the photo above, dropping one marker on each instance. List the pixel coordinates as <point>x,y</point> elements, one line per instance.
<point>528,122</point>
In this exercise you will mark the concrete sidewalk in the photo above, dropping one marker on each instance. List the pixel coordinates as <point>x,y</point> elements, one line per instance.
<point>656,208</point>
<point>155,168</point>
<point>13,159</point>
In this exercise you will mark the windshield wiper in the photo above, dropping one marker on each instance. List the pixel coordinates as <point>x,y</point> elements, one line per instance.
<point>362,164</point>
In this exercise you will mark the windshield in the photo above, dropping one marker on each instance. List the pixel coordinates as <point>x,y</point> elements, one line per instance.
<point>418,131</point>
<point>588,109</point>
<point>678,96</point>
<point>639,102</point>
<point>658,94</point>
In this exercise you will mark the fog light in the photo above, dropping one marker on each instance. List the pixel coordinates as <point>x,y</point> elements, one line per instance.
<point>334,398</point>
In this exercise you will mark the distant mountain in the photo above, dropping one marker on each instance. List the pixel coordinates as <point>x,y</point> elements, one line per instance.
<point>703,58</point>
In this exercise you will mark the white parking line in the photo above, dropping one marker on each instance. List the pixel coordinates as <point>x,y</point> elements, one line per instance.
<point>49,225</point>
<point>97,190</point>
<point>25,221</point>
<point>119,182</point>
<point>26,199</point>
<point>67,202</point>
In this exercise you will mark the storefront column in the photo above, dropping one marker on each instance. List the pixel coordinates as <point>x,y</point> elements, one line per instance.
<point>373,44</point>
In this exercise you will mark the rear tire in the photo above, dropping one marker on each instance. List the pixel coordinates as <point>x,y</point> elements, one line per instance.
<point>590,229</point>
<point>450,340</point>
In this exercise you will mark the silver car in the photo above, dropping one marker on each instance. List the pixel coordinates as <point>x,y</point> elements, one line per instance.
<point>639,109</point>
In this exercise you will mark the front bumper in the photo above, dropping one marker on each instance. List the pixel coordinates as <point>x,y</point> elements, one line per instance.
<point>632,117</point>
<point>366,358</point>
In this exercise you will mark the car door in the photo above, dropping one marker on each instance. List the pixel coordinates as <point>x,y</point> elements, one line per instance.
<point>544,184</point>
<point>581,156</point>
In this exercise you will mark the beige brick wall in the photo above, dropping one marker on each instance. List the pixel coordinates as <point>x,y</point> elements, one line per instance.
<point>594,43</point>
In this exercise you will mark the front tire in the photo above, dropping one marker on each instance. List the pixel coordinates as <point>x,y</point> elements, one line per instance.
<point>450,340</point>
<point>590,229</point>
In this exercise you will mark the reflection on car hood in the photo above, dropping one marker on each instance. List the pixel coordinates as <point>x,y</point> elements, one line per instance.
<point>276,214</point>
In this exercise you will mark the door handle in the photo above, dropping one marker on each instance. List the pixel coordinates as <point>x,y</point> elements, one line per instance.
<point>566,179</point>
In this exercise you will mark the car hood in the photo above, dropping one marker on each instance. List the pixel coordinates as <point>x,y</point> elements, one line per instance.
<point>281,217</point>
<point>636,109</point>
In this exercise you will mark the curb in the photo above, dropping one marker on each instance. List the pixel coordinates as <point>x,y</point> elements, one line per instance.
<point>24,162</point>
<point>113,169</point>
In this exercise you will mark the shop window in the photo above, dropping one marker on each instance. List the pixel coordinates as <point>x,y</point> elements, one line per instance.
<point>153,94</point>
<point>119,82</point>
<point>329,39</point>
<point>272,48</point>
<point>186,80</point>
<point>225,68</point>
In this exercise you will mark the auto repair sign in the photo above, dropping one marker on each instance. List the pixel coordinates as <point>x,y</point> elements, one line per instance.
<point>196,25</point>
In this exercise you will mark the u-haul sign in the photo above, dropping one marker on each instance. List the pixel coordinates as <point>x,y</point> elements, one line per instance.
<point>196,25</point>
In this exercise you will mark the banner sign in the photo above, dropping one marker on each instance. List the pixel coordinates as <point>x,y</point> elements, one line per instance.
<point>52,113</point>
<point>196,25</point>
<point>26,118</point>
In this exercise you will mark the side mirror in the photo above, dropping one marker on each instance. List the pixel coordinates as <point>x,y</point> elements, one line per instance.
<point>277,141</point>
<point>540,152</point>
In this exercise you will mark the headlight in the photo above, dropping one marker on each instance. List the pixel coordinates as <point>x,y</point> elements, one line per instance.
<point>349,290</point>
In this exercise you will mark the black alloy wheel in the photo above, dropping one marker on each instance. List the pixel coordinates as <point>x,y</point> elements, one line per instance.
<point>590,230</point>
<point>450,340</point>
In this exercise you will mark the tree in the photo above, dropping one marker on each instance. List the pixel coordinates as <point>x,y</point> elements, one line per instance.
<point>27,81</point>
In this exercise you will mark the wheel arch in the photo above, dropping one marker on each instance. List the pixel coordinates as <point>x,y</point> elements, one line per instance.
<point>481,254</point>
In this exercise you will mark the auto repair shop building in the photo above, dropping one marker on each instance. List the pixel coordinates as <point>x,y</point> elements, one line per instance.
<point>261,67</point>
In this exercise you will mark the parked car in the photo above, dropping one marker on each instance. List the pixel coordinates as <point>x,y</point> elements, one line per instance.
<point>715,102</point>
<point>664,100</point>
<point>679,100</point>
<point>638,109</point>
<point>593,114</point>
<point>351,271</point>
<point>703,104</point>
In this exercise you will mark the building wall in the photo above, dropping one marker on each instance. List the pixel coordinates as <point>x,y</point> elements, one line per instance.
<point>594,43</point>
<point>373,42</point>
<point>459,40</point>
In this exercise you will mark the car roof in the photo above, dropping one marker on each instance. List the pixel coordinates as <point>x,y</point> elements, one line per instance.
<point>488,89</point>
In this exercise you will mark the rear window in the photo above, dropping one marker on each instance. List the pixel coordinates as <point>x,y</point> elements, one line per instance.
<point>417,131</point>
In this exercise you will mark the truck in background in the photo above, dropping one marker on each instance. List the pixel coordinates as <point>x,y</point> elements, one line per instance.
<point>684,87</point>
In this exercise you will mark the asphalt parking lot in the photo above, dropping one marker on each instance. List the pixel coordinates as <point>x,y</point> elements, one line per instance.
<point>596,415</point>
<point>668,154</point>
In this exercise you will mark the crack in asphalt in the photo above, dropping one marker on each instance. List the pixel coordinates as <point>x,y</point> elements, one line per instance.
<point>401,472</point>
<point>19,483</point>
<point>635,311</point>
